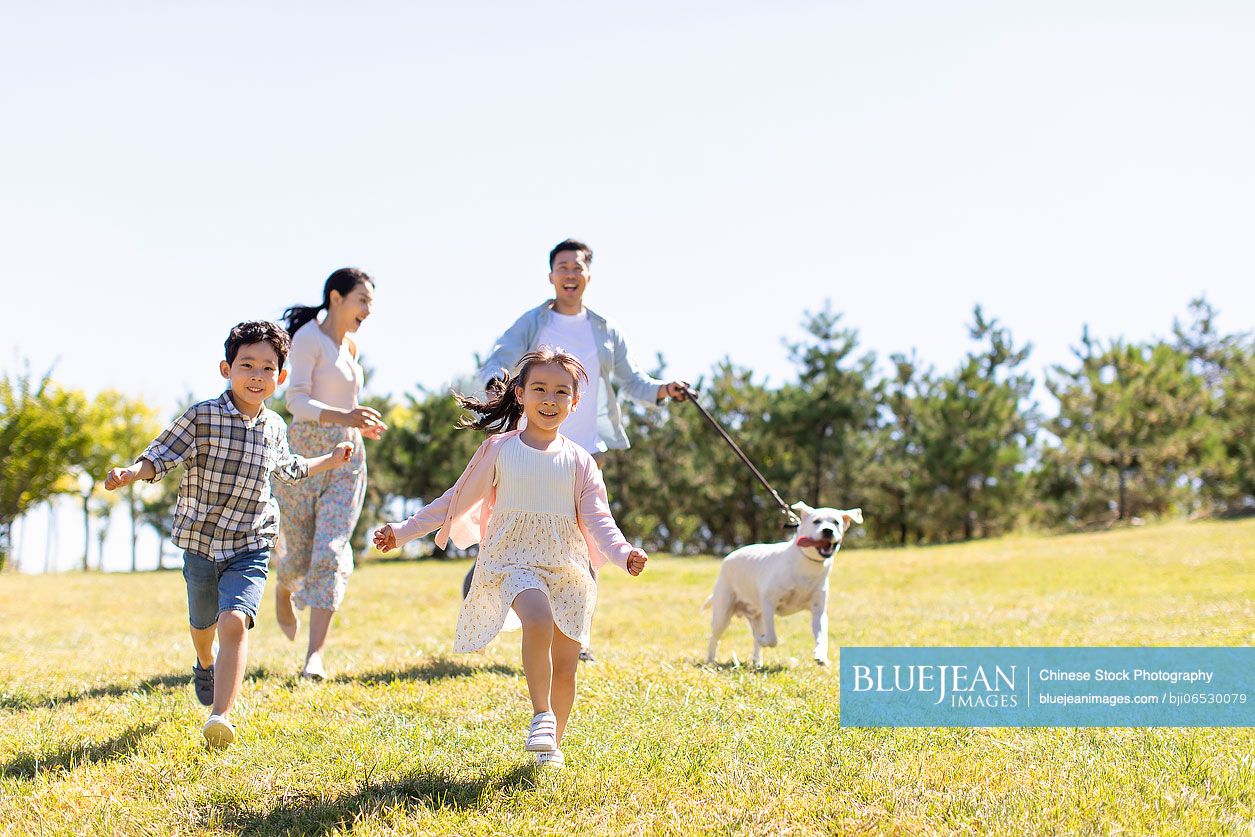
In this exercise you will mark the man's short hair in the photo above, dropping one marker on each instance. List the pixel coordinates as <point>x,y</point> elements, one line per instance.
<point>258,331</point>
<point>571,244</point>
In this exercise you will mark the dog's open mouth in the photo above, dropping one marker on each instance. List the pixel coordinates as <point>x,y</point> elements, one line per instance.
<point>824,548</point>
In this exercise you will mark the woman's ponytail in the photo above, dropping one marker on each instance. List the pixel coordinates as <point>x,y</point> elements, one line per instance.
<point>298,315</point>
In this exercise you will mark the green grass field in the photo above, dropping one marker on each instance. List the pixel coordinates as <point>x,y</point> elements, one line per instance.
<point>100,733</point>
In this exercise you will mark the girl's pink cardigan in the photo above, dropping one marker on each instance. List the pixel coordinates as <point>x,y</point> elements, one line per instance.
<point>462,513</point>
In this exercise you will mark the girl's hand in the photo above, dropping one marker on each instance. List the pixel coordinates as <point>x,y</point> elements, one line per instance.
<point>119,477</point>
<point>385,538</point>
<point>636,561</point>
<point>373,432</point>
<point>343,453</point>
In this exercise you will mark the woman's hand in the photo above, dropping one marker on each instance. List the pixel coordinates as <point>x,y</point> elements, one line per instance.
<point>636,561</point>
<point>385,538</point>
<point>364,418</point>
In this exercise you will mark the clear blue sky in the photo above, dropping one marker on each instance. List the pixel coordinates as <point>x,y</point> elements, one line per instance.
<point>167,169</point>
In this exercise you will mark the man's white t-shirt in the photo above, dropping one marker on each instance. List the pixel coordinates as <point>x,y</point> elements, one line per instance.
<point>573,333</point>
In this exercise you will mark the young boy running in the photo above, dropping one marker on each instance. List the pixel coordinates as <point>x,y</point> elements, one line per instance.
<point>226,519</point>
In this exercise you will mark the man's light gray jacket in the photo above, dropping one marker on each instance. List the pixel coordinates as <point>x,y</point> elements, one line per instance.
<point>616,364</point>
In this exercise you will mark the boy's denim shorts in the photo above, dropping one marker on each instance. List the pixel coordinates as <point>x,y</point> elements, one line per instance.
<point>214,587</point>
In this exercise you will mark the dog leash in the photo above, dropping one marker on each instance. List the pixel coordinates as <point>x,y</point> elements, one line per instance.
<point>793,520</point>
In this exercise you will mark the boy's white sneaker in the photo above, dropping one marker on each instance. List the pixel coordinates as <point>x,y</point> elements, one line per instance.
<point>218,731</point>
<point>542,737</point>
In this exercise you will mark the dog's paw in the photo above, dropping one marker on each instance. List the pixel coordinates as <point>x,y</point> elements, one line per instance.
<point>822,661</point>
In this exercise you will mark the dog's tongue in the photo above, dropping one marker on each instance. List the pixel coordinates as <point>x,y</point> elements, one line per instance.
<point>805,541</point>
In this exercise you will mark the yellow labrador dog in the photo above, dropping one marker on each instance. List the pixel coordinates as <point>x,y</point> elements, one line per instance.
<point>763,580</point>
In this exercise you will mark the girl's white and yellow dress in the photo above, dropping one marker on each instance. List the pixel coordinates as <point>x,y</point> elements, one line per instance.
<point>533,541</point>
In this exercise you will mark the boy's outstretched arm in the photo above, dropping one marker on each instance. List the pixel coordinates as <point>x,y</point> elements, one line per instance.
<point>119,477</point>
<point>343,453</point>
<point>176,445</point>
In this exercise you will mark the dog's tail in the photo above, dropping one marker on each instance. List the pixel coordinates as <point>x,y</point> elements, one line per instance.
<point>709,600</point>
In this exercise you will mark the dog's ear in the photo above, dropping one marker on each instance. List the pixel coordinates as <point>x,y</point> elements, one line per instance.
<point>801,508</point>
<point>852,516</point>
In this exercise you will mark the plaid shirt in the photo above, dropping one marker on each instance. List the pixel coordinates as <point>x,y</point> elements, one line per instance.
<point>225,506</point>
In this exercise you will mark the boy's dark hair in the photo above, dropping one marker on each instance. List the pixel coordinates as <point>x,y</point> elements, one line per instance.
<point>258,331</point>
<point>571,244</point>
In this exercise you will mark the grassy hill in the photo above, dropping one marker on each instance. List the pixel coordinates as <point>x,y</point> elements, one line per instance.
<point>99,731</point>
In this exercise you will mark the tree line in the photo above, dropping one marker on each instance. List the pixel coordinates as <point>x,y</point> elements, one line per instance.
<point>1142,429</point>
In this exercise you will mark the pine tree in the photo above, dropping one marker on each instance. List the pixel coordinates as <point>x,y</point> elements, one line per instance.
<point>977,429</point>
<point>1226,364</point>
<point>895,473</point>
<point>1134,422</point>
<point>831,413</point>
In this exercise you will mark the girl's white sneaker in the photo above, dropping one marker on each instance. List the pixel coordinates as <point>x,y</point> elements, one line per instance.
<point>542,737</point>
<point>553,760</point>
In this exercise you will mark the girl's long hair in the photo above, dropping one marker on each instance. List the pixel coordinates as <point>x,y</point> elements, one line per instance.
<point>501,410</point>
<point>343,281</point>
